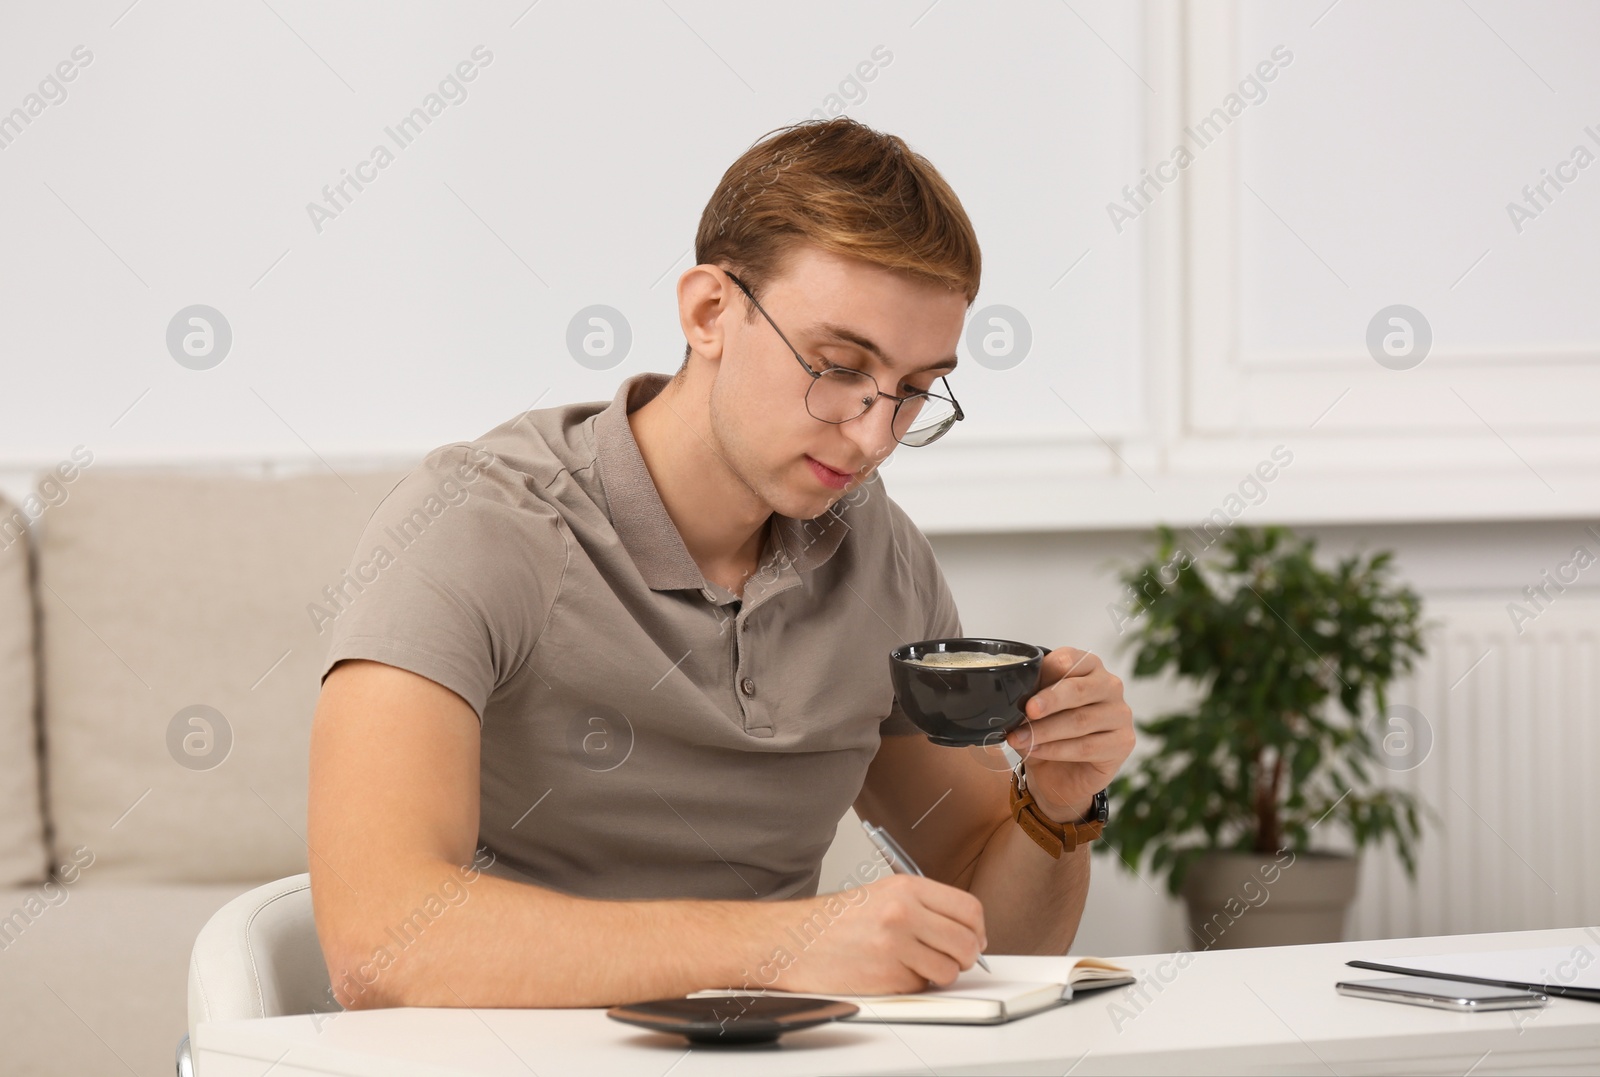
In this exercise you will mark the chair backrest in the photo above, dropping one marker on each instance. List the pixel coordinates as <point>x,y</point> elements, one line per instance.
<point>258,956</point>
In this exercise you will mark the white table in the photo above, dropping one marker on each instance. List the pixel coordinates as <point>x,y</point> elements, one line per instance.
<point>1268,1010</point>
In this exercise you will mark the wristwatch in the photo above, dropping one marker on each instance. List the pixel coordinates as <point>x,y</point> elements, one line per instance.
<point>1053,837</point>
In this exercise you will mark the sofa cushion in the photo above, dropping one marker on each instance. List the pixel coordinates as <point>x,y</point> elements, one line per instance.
<point>181,662</point>
<point>22,849</point>
<point>95,980</point>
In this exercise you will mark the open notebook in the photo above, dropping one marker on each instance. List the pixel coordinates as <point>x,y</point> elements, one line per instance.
<point>1018,986</point>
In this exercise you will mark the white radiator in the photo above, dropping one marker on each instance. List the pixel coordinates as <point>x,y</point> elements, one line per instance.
<point>1513,773</point>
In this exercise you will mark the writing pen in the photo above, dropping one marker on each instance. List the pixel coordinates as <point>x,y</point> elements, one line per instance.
<point>900,861</point>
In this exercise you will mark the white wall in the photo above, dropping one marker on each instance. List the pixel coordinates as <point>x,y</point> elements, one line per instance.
<point>1168,353</point>
<point>440,298</point>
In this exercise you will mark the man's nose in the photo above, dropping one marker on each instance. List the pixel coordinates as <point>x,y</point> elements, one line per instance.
<point>873,430</point>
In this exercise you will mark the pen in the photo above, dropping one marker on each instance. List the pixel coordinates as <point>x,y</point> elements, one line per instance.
<point>900,861</point>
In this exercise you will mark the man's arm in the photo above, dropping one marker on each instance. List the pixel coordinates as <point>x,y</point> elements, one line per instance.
<point>394,814</point>
<point>951,812</point>
<point>393,819</point>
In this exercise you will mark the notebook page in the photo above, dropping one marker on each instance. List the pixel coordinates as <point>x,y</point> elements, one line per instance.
<point>988,987</point>
<point>1036,968</point>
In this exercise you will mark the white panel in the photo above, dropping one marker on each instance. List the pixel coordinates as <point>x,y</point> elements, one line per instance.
<point>179,169</point>
<point>1380,170</point>
<point>1375,172</point>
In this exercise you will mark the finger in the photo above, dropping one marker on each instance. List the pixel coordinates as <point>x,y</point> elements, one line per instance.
<point>1080,662</point>
<point>1079,721</point>
<point>1094,748</point>
<point>952,940</point>
<point>955,904</point>
<point>1075,691</point>
<point>933,965</point>
<point>1064,662</point>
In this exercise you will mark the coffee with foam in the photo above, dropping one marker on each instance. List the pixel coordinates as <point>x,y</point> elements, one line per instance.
<point>966,659</point>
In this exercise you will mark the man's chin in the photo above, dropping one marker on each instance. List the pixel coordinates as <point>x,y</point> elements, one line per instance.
<point>809,510</point>
<point>810,505</point>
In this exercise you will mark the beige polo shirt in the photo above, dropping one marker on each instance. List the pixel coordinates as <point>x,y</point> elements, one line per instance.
<point>645,734</point>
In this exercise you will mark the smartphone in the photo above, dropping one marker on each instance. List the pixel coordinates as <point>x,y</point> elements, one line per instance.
<point>1458,995</point>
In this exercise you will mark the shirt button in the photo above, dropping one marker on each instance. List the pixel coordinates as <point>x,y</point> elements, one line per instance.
<point>747,686</point>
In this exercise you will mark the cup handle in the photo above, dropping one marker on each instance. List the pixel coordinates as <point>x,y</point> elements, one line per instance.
<point>1046,650</point>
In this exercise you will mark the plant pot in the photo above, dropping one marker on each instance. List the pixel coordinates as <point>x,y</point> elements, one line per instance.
<point>1251,899</point>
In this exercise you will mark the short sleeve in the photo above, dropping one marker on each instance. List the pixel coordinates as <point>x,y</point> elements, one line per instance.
<point>452,578</point>
<point>897,724</point>
<point>941,620</point>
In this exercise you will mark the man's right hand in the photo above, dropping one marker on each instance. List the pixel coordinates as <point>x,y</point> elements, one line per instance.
<point>897,935</point>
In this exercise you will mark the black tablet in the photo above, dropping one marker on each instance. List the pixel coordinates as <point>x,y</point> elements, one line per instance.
<point>732,1019</point>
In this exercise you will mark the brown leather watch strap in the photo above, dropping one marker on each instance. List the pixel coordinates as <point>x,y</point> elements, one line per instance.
<point>1054,838</point>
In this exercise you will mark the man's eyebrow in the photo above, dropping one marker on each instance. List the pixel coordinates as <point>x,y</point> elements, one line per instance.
<point>850,336</point>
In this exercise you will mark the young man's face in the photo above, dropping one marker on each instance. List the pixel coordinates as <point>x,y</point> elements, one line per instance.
<point>758,401</point>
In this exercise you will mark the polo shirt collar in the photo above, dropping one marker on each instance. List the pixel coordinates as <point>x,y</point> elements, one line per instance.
<point>640,518</point>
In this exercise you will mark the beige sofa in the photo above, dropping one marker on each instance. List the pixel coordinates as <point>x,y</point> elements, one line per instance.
<point>127,815</point>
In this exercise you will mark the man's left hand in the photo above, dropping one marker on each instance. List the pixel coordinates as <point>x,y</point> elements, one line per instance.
<point>1077,733</point>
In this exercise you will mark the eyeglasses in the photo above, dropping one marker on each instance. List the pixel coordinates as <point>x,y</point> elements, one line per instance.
<point>838,394</point>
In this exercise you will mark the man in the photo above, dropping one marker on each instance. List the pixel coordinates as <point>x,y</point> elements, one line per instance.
<point>635,655</point>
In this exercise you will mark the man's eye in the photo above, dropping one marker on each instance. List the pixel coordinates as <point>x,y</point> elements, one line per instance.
<point>905,387</point>
<point>835,366</point>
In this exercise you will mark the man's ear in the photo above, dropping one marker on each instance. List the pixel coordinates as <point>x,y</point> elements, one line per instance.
<point>703,303</point>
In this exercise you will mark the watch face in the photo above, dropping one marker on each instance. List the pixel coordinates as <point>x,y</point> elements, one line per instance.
<point>1102,806</point>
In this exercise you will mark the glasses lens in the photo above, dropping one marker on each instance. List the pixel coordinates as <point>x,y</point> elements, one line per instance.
<point>922,419</point>
<point>839,395</point>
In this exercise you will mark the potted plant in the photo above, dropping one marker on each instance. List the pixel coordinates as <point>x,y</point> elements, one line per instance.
<point>1228,803</point>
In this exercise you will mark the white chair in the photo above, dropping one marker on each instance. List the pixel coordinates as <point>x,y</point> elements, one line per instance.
<point>258,956</point>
